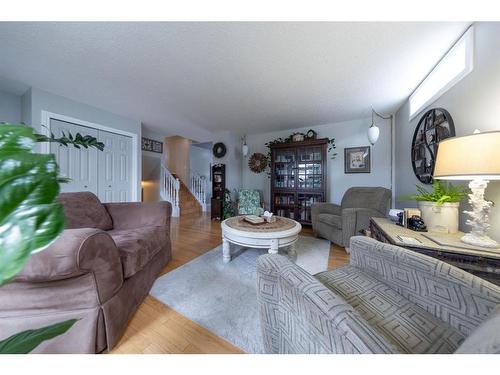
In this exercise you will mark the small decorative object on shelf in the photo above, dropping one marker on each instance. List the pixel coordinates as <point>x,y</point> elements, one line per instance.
<point>311,134</point>
<point>357,159</point>
<point>298,137</point>
<point>257,162</point>
<point>434,126</point>
<point>219,150</point>
<point>417,224</point>
<point>152,145</point>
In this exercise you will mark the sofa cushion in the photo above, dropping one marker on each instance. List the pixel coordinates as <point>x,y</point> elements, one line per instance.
<point>333,220</point>
<point>138,246</point>
<point>85,210</point>
<point>408,326</point>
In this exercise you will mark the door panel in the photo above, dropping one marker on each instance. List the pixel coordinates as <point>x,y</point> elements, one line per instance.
<point>114,168</point>
<point>80,165</point>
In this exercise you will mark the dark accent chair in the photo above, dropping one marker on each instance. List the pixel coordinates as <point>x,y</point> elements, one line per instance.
<point>98,271</point>
<point>387,300</point>
<point>338,223</point>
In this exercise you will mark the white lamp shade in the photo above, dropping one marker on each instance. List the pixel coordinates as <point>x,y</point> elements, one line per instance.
<point>244,149</point>
<point>471,157</point>
<point>373,133</point>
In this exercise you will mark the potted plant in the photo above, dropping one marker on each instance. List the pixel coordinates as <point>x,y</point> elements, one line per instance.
<point>439,208</point>
<point>30,217</point>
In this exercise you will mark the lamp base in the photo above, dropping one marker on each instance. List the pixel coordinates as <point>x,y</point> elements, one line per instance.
<point>481,241</point>
<point>478,216</point>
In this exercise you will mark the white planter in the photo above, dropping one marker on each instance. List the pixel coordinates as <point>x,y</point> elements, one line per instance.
<point>440,218</point>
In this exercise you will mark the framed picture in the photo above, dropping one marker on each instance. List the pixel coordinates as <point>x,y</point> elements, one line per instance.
<point>357,159</point>
<point>152,145</point>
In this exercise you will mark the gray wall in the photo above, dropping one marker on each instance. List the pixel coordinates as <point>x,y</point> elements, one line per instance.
<point>200,160</point>
<point>473,103</point>
<point>10,107</point>
<point>346,134</point>
<point>151,163</point>
<point>35,101</point>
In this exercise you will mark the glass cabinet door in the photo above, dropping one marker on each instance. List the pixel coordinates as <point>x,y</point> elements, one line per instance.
<point>309,163</point>
<point>284,204</point>
<point>304,203</point>
<point>284,168</point>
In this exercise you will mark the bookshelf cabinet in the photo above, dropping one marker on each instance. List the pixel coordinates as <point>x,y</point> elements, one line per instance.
<point>218,189</point>
<point>298,178</point>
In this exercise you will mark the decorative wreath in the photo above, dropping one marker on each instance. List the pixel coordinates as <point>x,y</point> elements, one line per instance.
<point>219,150</point>
<point>257,162</point>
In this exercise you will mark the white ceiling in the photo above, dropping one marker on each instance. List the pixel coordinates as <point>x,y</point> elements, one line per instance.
<point>195,78</point>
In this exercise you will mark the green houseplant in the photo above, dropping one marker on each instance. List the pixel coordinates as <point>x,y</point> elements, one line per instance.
<point>228,205</point>
<point>439,207</point>
<point>30,217</point>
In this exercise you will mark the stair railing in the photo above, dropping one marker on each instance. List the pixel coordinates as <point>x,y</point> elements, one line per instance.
<point>198,186</point>
<point>169,189</point>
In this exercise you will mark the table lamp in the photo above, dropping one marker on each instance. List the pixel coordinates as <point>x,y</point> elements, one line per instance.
<point>476,158</point>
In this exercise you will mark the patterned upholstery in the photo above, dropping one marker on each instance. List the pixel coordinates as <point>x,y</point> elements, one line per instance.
<point>388,300</point>
<point>449,293</point>
<point>406,325</point>
<point>249,202</point>
<point>339,223</point>
<point>300,315</point>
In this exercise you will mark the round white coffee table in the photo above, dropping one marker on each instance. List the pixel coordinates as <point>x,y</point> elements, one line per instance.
<point>283,232</point>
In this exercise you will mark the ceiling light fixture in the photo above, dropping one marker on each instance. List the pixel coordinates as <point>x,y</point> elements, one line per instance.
<point>373,130</point>
<point>244,147</point>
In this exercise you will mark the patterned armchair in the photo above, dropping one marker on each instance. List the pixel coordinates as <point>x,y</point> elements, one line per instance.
<point>249,202</point>
<point>387,300</point>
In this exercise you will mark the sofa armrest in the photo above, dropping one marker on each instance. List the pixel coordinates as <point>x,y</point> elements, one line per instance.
<point>449,293</point>
<point>355,219</point>
<point>325,208</point>
<point>139,214</point>
<point>300,315</point>
<point>77,252</point>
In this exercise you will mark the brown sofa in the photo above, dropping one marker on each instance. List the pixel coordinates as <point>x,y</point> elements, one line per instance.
<point>98,271</point>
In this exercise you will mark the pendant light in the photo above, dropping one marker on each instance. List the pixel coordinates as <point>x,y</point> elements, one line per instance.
<point>374,131</point>
<point>244,147</point>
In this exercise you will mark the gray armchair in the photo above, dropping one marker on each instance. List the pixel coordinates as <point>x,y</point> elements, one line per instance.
<point>338,223</point>
<point>387,300</point>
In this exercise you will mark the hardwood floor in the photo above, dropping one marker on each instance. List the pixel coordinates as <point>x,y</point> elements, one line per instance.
<point>156,328</point>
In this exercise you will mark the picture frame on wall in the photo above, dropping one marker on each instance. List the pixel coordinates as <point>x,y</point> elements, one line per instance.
<point>152,145</point>
<point>357,159</point>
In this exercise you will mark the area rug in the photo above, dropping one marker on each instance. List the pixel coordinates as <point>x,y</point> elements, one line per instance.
<point>222,297</point>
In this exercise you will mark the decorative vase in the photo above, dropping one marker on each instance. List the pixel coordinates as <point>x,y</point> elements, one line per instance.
<point>440,218</point>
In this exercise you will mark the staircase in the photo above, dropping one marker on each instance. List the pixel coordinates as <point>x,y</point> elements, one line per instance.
<point>169,189</point>
<point>188,204</point>
<point>184,201</point>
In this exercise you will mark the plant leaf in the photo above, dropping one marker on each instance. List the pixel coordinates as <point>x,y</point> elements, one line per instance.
<point>29,218</point>
<point>24,342</point>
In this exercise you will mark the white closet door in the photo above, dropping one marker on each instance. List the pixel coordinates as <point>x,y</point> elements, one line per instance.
<point>80,165</point>
<point>115,167</point>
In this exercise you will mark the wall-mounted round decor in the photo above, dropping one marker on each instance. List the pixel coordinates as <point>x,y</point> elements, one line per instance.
<point>219,150</point>
<point>435,125</point>
<point>257,162</point>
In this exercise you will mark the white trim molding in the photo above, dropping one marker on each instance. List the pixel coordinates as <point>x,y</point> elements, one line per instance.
<point>46,116</point>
